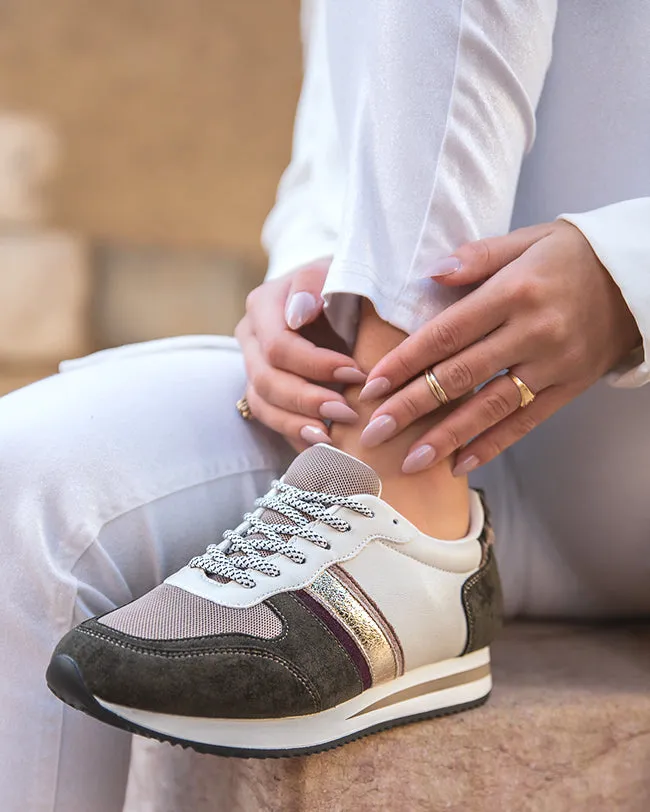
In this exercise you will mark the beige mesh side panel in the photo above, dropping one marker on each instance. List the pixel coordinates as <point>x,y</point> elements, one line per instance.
<point>168,613</point>
<point>323,469</point>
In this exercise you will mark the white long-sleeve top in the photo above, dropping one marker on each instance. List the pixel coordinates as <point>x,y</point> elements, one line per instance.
<point>420,126</point>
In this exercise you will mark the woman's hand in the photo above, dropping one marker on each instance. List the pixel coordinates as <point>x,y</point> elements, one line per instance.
<point>547,311</point>
<point>281,364</point>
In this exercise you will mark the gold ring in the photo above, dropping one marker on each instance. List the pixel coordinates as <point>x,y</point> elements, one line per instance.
<point>436,389</point>
<point>244,409</point>
<point>526,396</point>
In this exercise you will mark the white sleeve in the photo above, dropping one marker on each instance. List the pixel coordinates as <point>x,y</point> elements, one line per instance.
<point>435,107</point>
<point>620,237</point>
<point>303,225</point>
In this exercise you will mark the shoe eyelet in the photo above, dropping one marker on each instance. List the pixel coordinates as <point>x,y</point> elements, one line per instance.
<point>372,514</point>
<point>395,521</point>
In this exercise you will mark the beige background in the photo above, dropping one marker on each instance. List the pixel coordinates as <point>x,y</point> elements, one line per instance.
<point>174,115</point>
<point>174,121</point>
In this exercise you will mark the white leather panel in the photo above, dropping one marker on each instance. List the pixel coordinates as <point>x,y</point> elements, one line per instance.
<point>387,525</point>
<point>422,603</point>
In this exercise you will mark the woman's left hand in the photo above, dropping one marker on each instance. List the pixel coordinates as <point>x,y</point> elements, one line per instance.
<point>547,310</point>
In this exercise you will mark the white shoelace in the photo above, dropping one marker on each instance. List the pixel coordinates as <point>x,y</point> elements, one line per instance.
<point>245,549</point>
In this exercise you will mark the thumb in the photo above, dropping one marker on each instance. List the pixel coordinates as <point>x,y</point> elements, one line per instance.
<point>477,261</point>
<point>304,300</point>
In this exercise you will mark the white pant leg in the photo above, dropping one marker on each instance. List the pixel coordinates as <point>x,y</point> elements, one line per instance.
<point>111,476</point>
<point>570,504</point>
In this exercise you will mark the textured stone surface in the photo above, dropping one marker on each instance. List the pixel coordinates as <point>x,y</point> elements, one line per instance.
<point>144,294</point>
<point>44,297</point>
<point>567,730</point>
<point>174,117</point>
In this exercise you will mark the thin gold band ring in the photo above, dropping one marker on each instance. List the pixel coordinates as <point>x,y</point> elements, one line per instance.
<point>436,389</point>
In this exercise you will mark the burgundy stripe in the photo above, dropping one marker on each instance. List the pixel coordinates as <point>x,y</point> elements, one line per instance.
<point>341,634</point>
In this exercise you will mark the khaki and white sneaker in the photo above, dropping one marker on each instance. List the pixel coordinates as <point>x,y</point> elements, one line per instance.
<point>325,616</point>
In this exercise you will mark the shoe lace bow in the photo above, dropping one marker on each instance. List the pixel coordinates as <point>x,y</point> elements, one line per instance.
<point>248,547</point>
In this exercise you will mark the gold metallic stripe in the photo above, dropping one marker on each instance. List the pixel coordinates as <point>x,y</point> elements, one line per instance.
<point>431,687</point>
<point>347,580</point>
<point>338,599</point>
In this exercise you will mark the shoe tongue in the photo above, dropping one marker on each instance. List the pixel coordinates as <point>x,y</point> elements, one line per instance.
<point>324,469</point>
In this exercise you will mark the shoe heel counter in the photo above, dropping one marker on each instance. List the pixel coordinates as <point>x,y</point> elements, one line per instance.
<point>482,595</point>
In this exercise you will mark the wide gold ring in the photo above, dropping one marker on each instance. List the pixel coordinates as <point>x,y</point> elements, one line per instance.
<point>526,395</point>
<point>244,409</point>
<point>436,389</point>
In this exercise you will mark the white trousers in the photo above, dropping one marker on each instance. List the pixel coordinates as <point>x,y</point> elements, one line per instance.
<point>118,470</point>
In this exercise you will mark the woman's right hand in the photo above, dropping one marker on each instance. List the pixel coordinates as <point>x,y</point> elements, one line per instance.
<point>284,368</point>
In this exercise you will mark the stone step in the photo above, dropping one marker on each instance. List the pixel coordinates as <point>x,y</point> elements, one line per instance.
<point>567,728</point>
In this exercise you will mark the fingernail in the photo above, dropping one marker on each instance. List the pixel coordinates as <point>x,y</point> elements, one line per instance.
<point>300,308</point>
<point>378,430</point>
<point>335,410</point>
<point>349,375</point>
<point>419,459</point>
<point>446,266</point>
<point>312,435</point>
<point>375,389</point>
<point>465,466</point>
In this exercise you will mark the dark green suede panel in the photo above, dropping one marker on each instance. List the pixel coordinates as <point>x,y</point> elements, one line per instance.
<point>304,670</point>
<point>191,683</point>
<point>483,603</point>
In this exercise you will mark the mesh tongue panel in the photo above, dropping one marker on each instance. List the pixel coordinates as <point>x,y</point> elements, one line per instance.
<point>324,469</point>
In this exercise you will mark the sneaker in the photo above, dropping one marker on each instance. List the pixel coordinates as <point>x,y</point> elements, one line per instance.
<point>325,616</point>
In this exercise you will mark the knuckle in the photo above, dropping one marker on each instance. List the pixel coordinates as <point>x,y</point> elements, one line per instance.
<point>557,328</point>
<point>261,382</point>
<point>252,298</point>
<point>459,376</point>
<point>524,423</point>
<point>444,336</point>
<point>275,351</point>
<point>496,407</point>
<point>405,369</point>
<point>492,448</point>
<point>410,407</point>
<point>452,437</point>
<point>528,291</point>
<point>479,252</point>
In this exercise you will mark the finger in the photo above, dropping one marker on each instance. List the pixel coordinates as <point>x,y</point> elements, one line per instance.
<point>477,261</point>
<point>459,326</point>
<point>491,443</point>
<point>293,393</point>
<point>301,431</point>
<point>459,376</point>
<point>304,301</point>
<point>293,353</point>
<point>488,407</point>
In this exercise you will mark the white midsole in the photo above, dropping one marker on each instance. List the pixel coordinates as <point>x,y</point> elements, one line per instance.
<point>328,725</point>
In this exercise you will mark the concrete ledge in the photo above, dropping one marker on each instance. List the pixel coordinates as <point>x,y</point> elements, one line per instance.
<point>567,728</point>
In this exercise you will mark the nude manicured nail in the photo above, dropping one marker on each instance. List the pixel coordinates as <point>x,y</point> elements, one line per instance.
<point>312,435</point>
<point>466,465</point>
<point>378,430</point>
<point>349,375</point>
<point>419,459</point>
<point>301,307</point>
<point>444,267</point>
<point>335,410</point>
<point>375,389</point>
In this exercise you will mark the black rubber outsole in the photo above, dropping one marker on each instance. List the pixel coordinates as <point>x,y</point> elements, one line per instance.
<point>65,681</point>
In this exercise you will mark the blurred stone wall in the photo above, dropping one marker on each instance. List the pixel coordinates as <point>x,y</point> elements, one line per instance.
<point>153,137</point>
